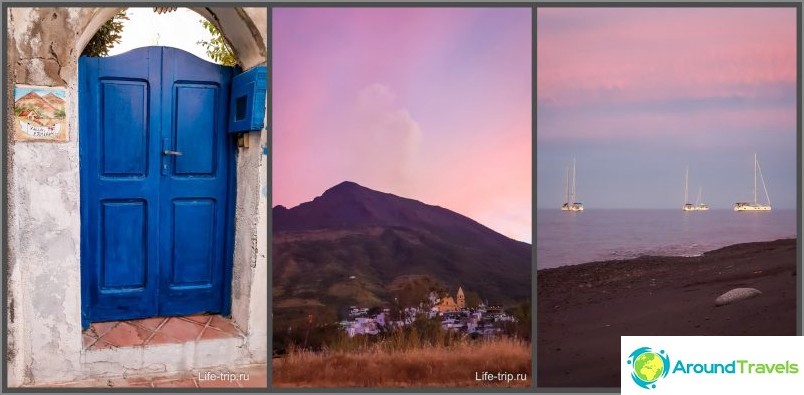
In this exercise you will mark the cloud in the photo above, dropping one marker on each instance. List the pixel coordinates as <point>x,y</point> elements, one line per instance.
<point>383,137</point>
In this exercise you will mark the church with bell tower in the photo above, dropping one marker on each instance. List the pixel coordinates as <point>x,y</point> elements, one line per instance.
<point>448,304</point>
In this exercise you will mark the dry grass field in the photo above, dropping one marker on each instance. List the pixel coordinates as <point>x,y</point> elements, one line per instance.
<point>458,365</point>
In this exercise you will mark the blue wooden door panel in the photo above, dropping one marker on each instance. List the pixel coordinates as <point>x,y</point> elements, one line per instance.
<point>195,123</point>
<point>194,242</point>
<point>194,192</point>
<point>124,260</point>
<point>119,212</point>
<point>155,227</point>
<point>125,125</point>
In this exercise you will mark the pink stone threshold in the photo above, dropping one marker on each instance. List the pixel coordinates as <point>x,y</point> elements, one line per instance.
<point>160,330</point>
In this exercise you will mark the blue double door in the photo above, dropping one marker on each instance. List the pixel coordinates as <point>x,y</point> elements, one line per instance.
<point>156,181</point>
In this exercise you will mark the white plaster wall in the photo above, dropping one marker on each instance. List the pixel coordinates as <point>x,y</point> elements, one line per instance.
<point>44,220</point>
<point>258,336</point>
<point>259,290</point>
<point>258,311</point>
<point>250,274</point>
<point>47,249</point>
<point>18,345</point>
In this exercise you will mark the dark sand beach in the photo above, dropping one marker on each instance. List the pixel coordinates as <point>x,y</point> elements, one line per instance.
<point>583,310</point>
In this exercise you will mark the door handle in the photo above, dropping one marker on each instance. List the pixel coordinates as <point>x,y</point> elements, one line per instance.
<point>164,159</point>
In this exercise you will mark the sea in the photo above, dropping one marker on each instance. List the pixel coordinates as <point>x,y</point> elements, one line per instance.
<point>567,238</point>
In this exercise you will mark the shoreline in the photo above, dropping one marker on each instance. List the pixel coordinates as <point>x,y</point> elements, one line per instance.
<point>583,309</point>
<point>638,255</point>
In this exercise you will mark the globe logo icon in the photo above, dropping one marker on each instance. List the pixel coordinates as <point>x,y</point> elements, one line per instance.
<point>648,366</point>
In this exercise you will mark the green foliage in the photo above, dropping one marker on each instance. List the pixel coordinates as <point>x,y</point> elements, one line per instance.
<point>472,299</point>
<point>60,114</point>
<point>428,329</point>
<point>423,332</point>
<point>522,327</point>
<point>316,267</point>
<point>217,48</point>
<point>106,37</point>
<point>410,290</point>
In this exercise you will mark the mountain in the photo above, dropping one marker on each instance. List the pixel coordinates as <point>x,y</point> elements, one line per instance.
<point>32,100</point>
<point>54,100</point>
<point>353,245</point>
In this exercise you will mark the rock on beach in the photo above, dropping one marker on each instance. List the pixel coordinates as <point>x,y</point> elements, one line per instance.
<point>736,295</point>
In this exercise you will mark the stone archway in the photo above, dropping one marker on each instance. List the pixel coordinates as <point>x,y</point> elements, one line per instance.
<point>43,255</point>
<point>238,26</point>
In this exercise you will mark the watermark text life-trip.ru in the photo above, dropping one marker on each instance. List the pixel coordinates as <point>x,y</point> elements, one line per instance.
<point>222,376</point>
<point>500,376</point>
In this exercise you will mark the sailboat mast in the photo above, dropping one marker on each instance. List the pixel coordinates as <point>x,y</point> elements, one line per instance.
<point>573,180</point>
<point>755,177</point>
<point>762,178</point>
<point>698,201</point>
<point>567,187</point>
<point>686,183</point>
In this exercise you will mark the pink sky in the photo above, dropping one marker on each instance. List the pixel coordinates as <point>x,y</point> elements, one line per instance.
<point>652,90</point>
<point>631,56</point>
<point>428,103</point>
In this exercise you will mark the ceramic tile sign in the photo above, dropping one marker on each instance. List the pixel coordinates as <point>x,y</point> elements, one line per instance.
<point>40,113</point>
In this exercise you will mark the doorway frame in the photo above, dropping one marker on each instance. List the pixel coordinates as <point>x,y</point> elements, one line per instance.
<point>231,198</point>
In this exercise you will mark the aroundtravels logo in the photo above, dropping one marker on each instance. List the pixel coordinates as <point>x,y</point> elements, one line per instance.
<point>648,366</point>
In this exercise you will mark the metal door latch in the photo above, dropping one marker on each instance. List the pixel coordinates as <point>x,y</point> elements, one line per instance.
<point>169,152</point>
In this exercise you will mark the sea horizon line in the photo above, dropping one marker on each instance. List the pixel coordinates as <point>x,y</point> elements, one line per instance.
<point>558,208</point>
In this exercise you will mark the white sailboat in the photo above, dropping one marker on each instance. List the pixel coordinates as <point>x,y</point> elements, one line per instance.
<point>755,205</point>
<point>571,204</point>
<point>687,206</point>
<point>698,206</point>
